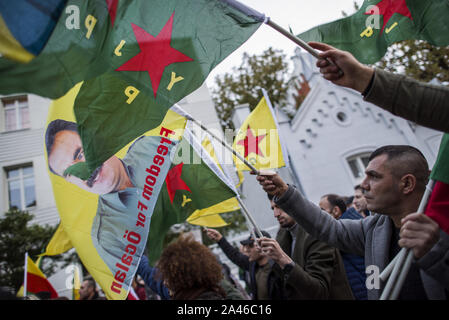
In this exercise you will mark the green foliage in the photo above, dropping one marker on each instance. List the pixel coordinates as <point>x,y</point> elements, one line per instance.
<point>417,59</point>
<point>243,84</point>
<point>18,236</point>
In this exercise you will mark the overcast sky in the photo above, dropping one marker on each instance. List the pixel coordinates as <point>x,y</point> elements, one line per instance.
<point>299,15</point>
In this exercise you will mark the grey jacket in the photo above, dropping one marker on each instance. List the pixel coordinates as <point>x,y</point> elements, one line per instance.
<point>369,237</point>
<point>422,103</point>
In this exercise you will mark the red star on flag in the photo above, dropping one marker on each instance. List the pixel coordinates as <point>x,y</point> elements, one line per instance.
<point>251,143</point>
<point>389,7</point>
<point>155,54</point>
<point>174,181</point>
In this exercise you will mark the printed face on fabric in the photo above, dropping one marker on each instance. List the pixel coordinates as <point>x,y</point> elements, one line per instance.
<point>381,188</point>
<point>67,150</point>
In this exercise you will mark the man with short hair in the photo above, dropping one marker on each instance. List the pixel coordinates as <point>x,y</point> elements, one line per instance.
<point>354,264</point>
<point>359,202</point>
<point>311,269</point>
<point>264,283</point>
<point>333,204</point>
<point>88,290</point>
<point>395,181</point>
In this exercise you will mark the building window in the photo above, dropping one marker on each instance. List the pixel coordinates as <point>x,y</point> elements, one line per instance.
<point>16,113</point>
<point>358,164</point>
<point>21,192</point>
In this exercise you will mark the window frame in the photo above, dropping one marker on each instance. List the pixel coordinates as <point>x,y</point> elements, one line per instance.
<point>13,103</point>
<point>21,178</point>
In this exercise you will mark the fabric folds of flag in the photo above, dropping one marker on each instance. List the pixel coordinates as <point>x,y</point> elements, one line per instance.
<point>380,23</point>
<point>258,139</point>
<point>438,205</point>
<point>193,183</point>
<point>26,26</point>
<point>136,58</point>
<point>109,226</point>
<point>36,281</point>
<point>58,244</point>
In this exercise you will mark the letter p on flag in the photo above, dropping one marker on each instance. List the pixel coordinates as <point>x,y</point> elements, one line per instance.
<point>131,92</point>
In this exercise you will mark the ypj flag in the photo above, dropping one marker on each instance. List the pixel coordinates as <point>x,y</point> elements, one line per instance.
<point>36,281</point>
<point>136,58</point>
<point>379,23</point>
<point>107,217</point>
<point>259,139</point>
<point>210,217</point>
<point>438,205</point>
<point>194,184</point>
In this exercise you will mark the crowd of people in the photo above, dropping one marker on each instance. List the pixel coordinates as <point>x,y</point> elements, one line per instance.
<point>321,251</point>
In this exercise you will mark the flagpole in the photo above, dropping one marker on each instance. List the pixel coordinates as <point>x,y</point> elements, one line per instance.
<point>242,205</point>
<point>297,40</point>
<point>249,217</point>
<point>189,117</point>
<point>408,261</point>
<point>25,276</point>
<point>402,262</point>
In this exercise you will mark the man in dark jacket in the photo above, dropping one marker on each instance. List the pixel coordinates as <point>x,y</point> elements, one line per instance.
<point>265,283</point>
<point>311,269</point>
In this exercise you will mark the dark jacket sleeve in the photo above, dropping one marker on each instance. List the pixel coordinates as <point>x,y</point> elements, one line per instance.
<point>347,235</point>
<point>422,103</point>
<point>147,272</point>
<point>233,254</point>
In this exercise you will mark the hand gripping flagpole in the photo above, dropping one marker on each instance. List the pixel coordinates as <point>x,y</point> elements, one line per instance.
<point>250,12</point>
<point>402,262</point>
<point>238,155</point>
<point>408,261</point>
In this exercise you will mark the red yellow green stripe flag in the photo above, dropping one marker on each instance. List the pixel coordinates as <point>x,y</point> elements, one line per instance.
<point>35,281</point>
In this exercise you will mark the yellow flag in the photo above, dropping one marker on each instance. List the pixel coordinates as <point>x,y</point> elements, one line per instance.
<point>258,140</point>
<point>210,217</point>
<point>90,221</point>
<point>58,244</point>
<point>76,284</point>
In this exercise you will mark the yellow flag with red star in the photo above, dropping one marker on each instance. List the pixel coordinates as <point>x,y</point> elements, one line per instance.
<point>258,139</point>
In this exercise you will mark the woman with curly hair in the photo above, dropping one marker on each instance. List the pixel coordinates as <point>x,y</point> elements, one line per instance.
<point>191,271</point>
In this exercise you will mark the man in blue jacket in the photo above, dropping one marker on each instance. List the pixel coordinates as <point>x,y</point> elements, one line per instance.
<point>354,264</point>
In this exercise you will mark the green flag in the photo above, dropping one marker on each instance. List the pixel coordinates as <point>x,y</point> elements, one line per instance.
<point>193,182</point>
<point>380,23</point>
<point>438,205</point>
<point>136,58</point>
<point>440,171</point>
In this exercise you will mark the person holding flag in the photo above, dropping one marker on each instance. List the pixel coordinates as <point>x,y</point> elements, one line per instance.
<point>394,186</point>
<point>422,103</point>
